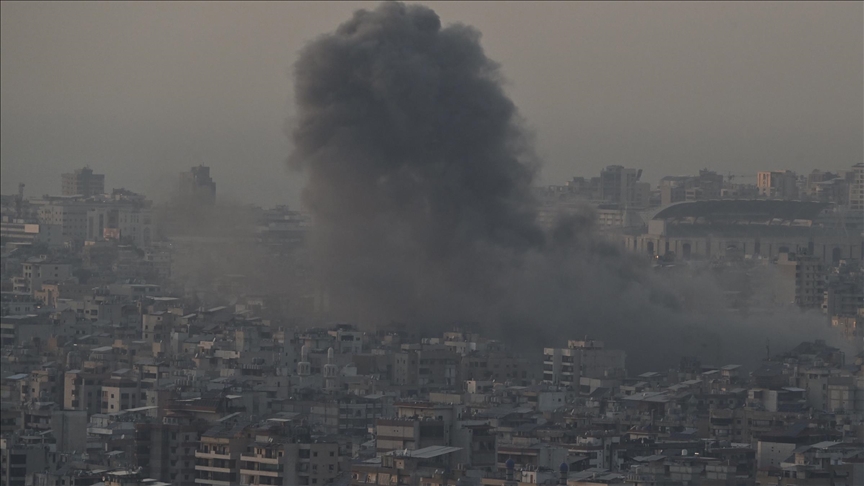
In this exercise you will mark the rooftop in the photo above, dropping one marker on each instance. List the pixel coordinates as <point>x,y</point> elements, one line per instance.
<point>426,452</point>
<point>743,209</point>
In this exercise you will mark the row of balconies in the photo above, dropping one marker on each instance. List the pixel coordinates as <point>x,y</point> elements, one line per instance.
<point>215,479</point>
<point>263,459</point>
<point>213,455</point>
<point>251,467</point>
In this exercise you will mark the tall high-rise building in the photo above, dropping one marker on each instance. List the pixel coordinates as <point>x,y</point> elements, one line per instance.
<point>707,185</point>
<point>856,188</point>
<point>197,186</point>
<point>804,273</point>
<point>165,448</point>
<point>582,359</point>
<point>621,186</point>
<point>83,182</point>
<point>777,184</point>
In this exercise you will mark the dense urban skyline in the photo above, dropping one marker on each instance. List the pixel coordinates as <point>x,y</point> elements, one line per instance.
<point>676,298</point>
<point>141,91</point>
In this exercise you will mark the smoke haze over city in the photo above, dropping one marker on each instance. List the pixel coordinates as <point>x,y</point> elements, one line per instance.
<point>420,177</point>
<point>450,243</point>
<point>142,89</point>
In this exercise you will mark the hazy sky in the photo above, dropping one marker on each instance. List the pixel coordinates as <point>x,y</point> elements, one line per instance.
<point>142,91</point>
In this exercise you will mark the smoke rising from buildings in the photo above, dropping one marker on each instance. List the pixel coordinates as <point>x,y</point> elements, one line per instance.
<point>419,182</point>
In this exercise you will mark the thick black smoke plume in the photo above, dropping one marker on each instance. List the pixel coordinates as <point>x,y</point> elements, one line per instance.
<point>420,185</point>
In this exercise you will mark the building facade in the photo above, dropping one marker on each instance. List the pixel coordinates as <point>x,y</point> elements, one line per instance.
<point>761,229</point>
<point>777,184</point>
<point>197,186</point>
<point>582,359</point>
<point>83,182</point>
<point>856,188</point>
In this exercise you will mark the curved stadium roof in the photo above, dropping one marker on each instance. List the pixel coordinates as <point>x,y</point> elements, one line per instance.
<point>742,209</point>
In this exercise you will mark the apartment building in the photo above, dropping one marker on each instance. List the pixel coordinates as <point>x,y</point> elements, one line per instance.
<point>777,184</point>
<point>44,385</point>
<point>289,460</point>
<point>807,273</point>
<point>18,330</point>
<point>37,272</point>
<point>82,391</point>
<point>156,327</point>
<point>581,359</point>
<point>707,185</point>
<point>120,394</point>
<point>843,298</point>
<point>217,459</point>
<point>496,366</point>
<point>406,367</point>
<point>621,186</point>
<point>120,222</point>
<point>166,447</point>
<point>69,215</point>
<point>196,186</point>
<point>17,459</point>
<point>273,453</point>
<point>22,231</point>
<point>346,414</point>
<point>83,182</point>
<point>402,434</point>
<point>856,188</point>
<point>438,368</point>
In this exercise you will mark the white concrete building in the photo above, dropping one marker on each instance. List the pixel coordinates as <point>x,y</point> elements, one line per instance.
<point>69,215</point>
<point>124,223</point>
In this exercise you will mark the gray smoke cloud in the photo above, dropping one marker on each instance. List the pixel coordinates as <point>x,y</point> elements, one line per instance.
<point>420,177</point>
